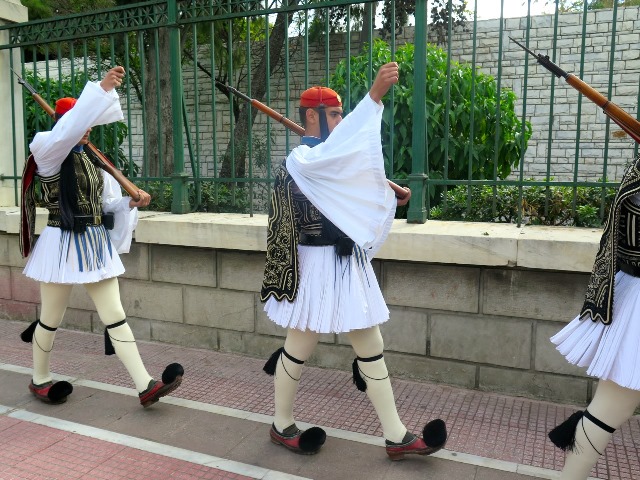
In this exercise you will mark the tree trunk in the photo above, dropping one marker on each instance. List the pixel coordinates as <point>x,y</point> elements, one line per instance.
<point>240,139</point>
<point>159,145</point>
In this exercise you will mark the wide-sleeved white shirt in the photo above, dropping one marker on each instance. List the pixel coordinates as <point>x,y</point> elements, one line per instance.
<point>344,177</point>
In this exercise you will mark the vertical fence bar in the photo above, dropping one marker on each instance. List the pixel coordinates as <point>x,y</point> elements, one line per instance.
<point>346,102</point>
<point>524,115</point>
<point>635,146</point>
<point>214,122</point>
<point>496,144</point>
<point>551,108</point>
<point>145,142</point>
<point>306,49</point>
<point>73,72</point>
<point>128,88</point>
<point>14,145</point>
<point>195,156</point>
<point>180,203</point>
<point>390,167</point>
<point>249,116</point>
<point>327,12</point>
<point>114,136</point>
<point>417,212</point>
<point>472,142</point>
<point>614,23</point>
<point>287,84</point>
<point>447,111</point>
<point>579,112</point>
<point>268,123</point>
<point>156,53</point>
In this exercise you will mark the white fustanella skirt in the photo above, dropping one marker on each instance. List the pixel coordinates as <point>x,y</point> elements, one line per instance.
<point>335,293</point>
<point>62,256</point>
<point>610,352</point>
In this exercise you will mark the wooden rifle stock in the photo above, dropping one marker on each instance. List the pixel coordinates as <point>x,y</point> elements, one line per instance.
<point>101,160</point>
<point>297,129</point>
<point>625,121</point>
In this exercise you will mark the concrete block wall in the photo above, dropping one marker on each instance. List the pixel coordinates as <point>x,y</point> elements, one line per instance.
<point>472,325</point>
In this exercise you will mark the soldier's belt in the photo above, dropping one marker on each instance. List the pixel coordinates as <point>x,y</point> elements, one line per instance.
<point>81,222</point>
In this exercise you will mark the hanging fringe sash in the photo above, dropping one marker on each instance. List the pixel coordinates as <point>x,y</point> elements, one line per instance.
<point>89,248</point>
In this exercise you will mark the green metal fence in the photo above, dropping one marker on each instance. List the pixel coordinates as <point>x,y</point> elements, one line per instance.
<point>471,115</point>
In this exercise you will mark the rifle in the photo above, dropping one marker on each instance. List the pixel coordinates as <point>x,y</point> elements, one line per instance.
<point>99,159</point>
<point>290,124</point>
<point>626,122</point>
<point>293,126</point>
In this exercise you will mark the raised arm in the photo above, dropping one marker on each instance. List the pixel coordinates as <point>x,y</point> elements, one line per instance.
<point>386,77</point>
<point>95,106</point>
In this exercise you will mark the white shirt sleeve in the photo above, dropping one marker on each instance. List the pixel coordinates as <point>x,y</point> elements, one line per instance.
<point>94,107</point>
<point>344,176</point>
<point>125,218</point>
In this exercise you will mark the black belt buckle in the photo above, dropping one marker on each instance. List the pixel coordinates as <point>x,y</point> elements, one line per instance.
<point>81,222</point>
<point>108,220</point>
<point>344,246</point>
<point>79,227</point>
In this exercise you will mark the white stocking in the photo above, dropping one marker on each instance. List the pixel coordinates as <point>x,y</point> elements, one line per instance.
<point>368,343</point>
<point>54,298</point>
<point>106,297</point>
<point>613,405</point>
<point>299,345</point>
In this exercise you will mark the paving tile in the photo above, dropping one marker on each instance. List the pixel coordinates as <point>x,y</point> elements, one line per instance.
<point>485,424</point>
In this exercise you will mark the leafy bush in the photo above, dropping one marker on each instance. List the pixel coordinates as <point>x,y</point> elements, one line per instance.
<point>483,147</point>
<point>216,198</point>
<point>540,205</point>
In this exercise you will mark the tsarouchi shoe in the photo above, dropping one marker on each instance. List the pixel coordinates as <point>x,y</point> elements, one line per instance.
<point>50,392</point>
<point>171,379</point>
<point>434,437</point>
<point>304,442</point>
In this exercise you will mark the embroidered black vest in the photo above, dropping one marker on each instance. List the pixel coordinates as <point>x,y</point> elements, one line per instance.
<point>90,186</point>
<point>617,244</point>
<point>290,214</point>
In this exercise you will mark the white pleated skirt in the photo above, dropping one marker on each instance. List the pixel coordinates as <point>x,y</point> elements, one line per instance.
<point>335,294</point>
<point>73,258</point>
<point>610,352</point>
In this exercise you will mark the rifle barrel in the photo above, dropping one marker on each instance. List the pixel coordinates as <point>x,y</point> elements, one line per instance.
<point>625,121</point>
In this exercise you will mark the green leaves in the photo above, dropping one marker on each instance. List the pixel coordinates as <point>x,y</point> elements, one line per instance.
<point>552,205</point>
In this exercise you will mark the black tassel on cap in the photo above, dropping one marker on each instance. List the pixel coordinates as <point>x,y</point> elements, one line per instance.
<point>272,363</point>
<point>108,346</point>
<point>27,335</point>
<point>564,435</point>
<point>357,378</point>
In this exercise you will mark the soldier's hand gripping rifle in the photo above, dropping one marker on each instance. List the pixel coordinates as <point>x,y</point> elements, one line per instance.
<point>98,157</point>
<point>293,126</point>
<point>626,122</point>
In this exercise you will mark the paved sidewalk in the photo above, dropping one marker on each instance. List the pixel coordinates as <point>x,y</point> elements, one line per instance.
<point>216,424</point>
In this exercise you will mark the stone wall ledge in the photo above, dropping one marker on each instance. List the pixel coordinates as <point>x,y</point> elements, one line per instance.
<point>460,243</point>
<point>13,11</point>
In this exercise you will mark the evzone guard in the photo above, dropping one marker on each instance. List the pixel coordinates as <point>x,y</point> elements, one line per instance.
<point>89,224</point>
<point>331,210</point>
